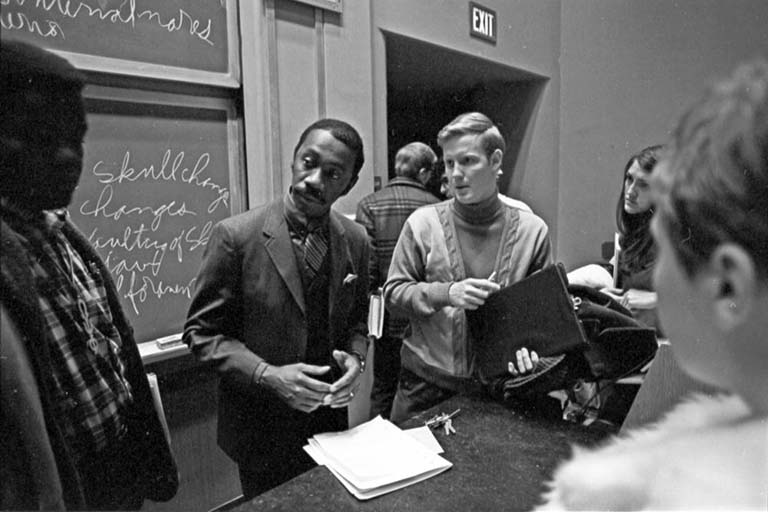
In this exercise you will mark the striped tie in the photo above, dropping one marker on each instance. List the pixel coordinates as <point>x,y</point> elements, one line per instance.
<point>315,247</point>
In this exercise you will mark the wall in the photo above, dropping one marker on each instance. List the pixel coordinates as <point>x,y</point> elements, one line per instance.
<point>628,68</point>
<point>301,64</point>
<point>618,73</point>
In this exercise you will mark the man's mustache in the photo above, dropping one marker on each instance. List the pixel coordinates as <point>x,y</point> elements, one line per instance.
<point>314,193</point>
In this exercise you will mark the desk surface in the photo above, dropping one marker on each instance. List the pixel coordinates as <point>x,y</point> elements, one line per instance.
<point>501,459</point>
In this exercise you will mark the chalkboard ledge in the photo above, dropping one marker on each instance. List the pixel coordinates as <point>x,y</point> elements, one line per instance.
<point>160,349</point>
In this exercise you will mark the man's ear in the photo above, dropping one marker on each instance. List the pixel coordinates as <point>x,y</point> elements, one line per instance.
<point>350,184</point>
<point>424,175</point>
<point>496,158</point>
<point>730,282</point>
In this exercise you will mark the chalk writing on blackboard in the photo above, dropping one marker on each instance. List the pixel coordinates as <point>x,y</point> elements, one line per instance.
<point>39,17</point>
<point>140,240</point>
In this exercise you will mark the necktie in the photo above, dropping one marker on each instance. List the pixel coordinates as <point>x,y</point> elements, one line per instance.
<point>315,248</point>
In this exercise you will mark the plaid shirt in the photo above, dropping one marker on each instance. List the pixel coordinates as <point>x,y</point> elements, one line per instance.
<point>383,215</point>
<point>88,376</point>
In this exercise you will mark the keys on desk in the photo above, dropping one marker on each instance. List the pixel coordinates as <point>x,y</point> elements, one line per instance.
<point>443,420</point>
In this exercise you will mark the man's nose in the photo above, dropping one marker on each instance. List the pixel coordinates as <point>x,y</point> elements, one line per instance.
<point>315,177</point>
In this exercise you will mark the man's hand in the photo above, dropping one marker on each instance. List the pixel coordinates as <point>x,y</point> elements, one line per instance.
<point>343,390</point>
<point>294,384</point>
<point>526,362</point>
<point>471,293</point>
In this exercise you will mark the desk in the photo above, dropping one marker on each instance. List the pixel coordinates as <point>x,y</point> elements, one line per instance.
<point>501,459</point>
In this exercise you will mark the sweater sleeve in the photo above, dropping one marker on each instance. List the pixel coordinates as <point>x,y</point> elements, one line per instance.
<point>406,291</point>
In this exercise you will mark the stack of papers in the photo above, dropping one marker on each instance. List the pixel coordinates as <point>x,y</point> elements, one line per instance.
<point>377,457</point>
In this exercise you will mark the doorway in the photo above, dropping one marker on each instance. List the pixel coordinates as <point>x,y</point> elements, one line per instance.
<point>428,85</point>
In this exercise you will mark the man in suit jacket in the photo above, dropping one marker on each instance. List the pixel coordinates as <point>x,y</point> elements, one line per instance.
<point>280,310</point>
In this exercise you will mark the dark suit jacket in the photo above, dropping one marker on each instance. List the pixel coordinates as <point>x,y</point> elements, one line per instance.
<point>249,306</point>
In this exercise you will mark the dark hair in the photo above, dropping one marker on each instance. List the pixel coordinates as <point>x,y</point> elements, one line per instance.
<point>28,73</point>
<point>638,250</point>
<point>24,66</point>
<point>474,123</point>
<point>715,186</point>
<point>341,131</point>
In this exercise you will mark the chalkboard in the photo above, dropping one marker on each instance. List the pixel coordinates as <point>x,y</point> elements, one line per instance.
<point>189,40</point>
<point>159,171</point>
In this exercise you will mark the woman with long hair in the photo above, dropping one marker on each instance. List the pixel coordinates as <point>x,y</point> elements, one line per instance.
<point>632,285</point>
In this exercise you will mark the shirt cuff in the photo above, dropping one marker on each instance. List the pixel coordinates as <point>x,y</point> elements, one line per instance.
<point>358,344</point>
<point>437,295</point>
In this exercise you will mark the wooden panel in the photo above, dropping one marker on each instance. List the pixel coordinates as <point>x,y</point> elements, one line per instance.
<point>208,477</point>
<point>296,78</point>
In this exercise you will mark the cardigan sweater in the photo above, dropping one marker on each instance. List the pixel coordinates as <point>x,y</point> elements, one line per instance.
<point>426,261</point>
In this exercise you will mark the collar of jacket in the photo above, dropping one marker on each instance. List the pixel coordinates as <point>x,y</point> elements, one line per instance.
<point>278,245</point>
<point>404,181</point>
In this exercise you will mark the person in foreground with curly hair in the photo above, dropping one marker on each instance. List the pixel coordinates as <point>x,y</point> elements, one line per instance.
<point>711,227</point>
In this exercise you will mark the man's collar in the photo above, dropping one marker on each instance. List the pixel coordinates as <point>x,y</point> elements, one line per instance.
<point>55,219</point>
<point>20,214</point>
<point>406,181</point>
<point>47,221</point>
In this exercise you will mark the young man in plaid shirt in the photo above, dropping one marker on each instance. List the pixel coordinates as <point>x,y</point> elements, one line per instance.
<point>383,214</point>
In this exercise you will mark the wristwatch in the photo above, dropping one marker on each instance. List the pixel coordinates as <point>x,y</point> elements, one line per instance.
<point>361,358</point>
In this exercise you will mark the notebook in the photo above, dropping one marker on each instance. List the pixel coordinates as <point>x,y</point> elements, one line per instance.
<point>376,314</point>
<point>536,313</point>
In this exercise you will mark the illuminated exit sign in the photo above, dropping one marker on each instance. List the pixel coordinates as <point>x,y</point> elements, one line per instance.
<point>482,22</point>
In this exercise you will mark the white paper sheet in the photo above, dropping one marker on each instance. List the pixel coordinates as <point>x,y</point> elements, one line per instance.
<point>377,457</point>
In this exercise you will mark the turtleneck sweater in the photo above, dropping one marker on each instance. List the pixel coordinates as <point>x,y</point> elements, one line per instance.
<point>479,228</point>
<point>442,244</point>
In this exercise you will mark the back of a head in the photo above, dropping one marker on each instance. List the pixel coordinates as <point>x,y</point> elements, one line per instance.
<point>24,66</point>
<point>422,157</point>
<point>714,188</point>
<point>341,131</point>
<point>474,123</point>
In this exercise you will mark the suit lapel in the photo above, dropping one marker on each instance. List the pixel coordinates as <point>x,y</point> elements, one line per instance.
<point>340,260</point>
<point>280,250</point>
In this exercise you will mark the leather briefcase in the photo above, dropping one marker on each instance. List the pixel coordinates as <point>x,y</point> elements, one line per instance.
<point>536,313</point>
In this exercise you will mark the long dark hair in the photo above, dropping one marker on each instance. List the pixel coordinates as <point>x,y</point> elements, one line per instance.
<point>638,249</point>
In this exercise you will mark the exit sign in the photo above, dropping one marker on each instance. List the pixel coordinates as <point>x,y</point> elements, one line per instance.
<point>482,22</point>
